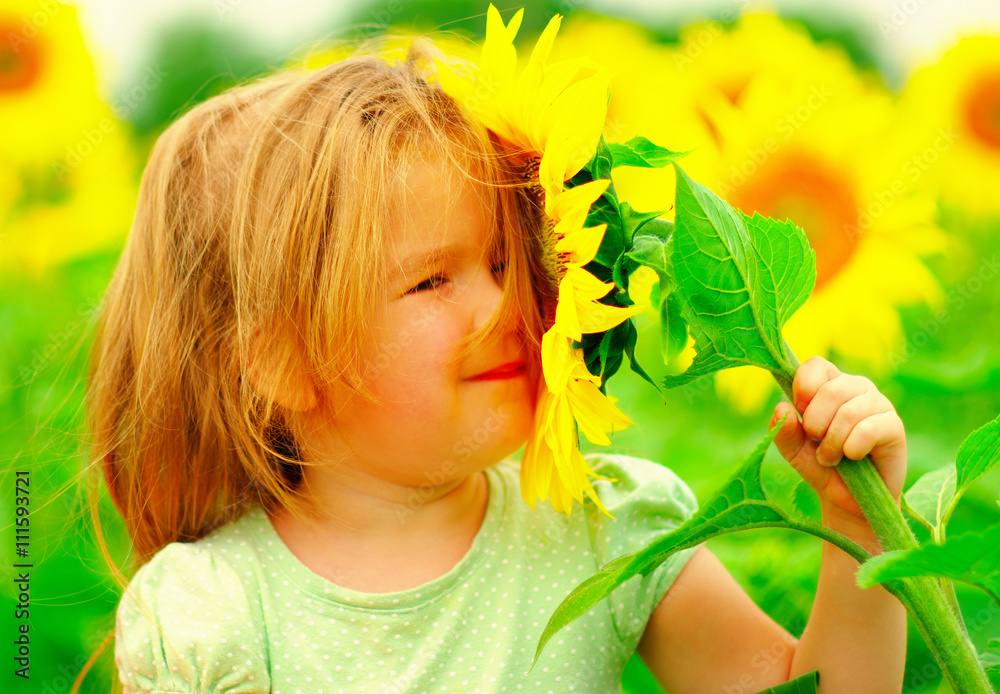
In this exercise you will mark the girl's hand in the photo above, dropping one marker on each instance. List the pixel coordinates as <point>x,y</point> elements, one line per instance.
<point>842,415</point>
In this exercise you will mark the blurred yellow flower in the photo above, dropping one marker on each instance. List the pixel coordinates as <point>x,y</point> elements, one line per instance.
<point>550,114</point>
<point>67,167</point>
<point>76,206</point>
<point>48,94</point>
<point>950,112</point>
<point>789,128</point>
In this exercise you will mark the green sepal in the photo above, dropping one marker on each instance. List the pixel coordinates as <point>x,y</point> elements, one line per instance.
<point>631,339</point>
<point>653,251</point>
<point>804,684</point>
<point>640,151</point>
<point>633,221</point>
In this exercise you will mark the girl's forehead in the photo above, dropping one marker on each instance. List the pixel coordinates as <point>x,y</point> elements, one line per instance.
<point>436,200</point>
<point>440,215</point>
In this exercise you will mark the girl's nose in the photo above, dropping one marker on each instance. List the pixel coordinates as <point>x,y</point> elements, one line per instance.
<point>487,291</point>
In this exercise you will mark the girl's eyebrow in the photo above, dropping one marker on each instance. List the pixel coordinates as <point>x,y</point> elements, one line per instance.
<point>419,261</point>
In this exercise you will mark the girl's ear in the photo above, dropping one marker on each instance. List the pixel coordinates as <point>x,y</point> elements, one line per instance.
<point>287,384</point>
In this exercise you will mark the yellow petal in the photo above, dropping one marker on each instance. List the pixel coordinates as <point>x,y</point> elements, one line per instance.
<point>499,57</point>
<point>595,412</point>
<point>598,317</point>
<point>574,203</point>
<point>588,488</point>
<point>582,244</point>
<point>540,53</point>
<point>577,120</point>
<point>540,91</point>
<point>557,360</point>
<point>585,286</point>
<point>567,318</point>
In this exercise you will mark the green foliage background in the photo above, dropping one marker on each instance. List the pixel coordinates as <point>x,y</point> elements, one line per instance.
<point>948,385</point>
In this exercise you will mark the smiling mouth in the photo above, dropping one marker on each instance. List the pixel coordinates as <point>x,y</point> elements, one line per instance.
<point>511,370</point>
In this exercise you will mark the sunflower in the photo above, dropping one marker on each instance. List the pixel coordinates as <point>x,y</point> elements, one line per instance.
<point>550,116</point>
<point>788,128</point>
<point>44,66</point>
<point>72,207</point>
<point>950,112</point>
<point>67,183</point>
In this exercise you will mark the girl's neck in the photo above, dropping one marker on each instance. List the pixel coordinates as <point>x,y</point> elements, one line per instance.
<point>381,532</point>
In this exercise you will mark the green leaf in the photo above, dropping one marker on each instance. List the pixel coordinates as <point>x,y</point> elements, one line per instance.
<point>673,328</point>
<point>632,220</point>
<point>806,502</point>
<point>931,495</point>
<point>600,165</point>
<point>785,250</point>
<point>662,228</point>
<point>739,278</point>
<point>990,660</point>
<point>978,454</point>
<point>741,504</point>
<point>630,342</point>
<point>639,151</point>
<point>653,251</point>
<point>804,684</point>
<point>972,558</point>
<point>605,211</point>
<point>612,345</point>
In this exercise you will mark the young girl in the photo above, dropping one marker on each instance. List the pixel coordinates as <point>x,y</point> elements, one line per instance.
<point>319,351</point>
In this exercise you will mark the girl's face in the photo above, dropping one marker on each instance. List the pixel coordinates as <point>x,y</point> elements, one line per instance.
<point>439,421</point>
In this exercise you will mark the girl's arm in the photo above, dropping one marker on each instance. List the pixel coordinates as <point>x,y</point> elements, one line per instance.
<point>708,636</point>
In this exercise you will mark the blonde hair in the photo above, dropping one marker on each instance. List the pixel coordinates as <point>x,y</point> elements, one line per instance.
<point>261,227</point>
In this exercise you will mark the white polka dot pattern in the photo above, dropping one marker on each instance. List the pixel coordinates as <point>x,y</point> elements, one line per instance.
<point>239,613</point>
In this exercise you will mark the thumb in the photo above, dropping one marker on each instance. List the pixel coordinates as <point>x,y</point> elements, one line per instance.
<point>791,437</point>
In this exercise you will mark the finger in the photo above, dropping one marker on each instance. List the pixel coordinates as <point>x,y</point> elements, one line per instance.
<point>795,447</point>
<point>790,437</point>
<point>830,397</point>
<point>847,417</point>
<point>881,436</point>
<point>810,375</point>
<point>873,432</point>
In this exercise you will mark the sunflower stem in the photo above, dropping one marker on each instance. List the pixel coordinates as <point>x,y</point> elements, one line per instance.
<point>921,596</point>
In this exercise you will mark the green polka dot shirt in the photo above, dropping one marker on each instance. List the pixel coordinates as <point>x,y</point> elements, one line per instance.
<point>237,612</point>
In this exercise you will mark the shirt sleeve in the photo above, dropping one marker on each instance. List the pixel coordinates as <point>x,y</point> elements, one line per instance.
<point>648,500</point>
<point>185,625</point>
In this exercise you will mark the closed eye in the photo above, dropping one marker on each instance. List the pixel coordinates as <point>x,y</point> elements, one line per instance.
<point>429,283</point>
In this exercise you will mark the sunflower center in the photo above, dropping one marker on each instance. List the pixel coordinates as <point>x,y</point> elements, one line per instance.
<point>814,197</point>
<point>982,110</point>
<point>552,264</point>
<point>20,58</point>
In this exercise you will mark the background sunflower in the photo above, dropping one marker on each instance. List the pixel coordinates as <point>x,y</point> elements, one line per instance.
<point>926,281</point>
